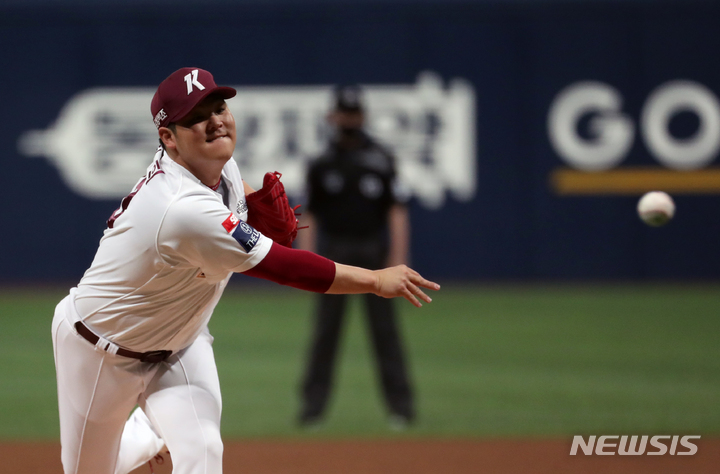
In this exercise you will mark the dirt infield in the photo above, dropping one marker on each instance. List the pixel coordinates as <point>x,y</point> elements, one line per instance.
<point>399,457</point>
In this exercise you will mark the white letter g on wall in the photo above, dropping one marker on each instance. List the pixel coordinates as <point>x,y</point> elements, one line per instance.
<point>613,133</point>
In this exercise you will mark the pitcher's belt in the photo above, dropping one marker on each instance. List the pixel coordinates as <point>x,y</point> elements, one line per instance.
<point>152,356</point>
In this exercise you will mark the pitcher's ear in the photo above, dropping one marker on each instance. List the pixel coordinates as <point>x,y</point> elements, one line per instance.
<point>167,137</point>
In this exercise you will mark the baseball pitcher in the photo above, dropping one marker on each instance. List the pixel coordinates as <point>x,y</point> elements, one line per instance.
<point>134,330</point>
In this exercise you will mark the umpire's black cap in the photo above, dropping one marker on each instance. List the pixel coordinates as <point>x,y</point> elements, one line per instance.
<point>348,98</point>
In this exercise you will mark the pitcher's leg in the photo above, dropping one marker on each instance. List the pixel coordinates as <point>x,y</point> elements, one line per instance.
<point>96,392</point>
<point>184,404</point>
<point>139,443</point>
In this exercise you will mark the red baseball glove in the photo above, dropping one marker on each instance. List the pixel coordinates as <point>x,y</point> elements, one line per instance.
<point>270,213</point>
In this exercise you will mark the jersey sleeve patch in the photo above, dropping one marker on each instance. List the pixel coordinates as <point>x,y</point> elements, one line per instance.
<point>246,236</point>
<point>230,223</point>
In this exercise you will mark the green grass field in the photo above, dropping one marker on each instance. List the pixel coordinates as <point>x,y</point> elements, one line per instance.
<point>487,361</point>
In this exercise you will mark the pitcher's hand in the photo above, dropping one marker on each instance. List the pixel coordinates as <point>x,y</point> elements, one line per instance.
<point>403,281</point>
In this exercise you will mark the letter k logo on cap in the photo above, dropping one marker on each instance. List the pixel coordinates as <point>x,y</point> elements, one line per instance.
<point>192,80</point>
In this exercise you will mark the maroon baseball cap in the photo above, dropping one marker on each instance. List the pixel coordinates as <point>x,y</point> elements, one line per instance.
<point>181,91</point>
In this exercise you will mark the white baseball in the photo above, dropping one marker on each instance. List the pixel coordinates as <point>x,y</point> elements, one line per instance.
<point>656,208</point>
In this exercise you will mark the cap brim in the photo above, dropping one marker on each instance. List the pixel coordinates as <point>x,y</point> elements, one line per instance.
<point>224,92</point>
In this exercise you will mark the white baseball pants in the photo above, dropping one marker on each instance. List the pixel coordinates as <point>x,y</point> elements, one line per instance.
<point>139,443</point>
<point>97,391</point>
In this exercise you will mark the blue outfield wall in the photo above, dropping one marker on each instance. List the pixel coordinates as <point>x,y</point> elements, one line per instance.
<point>561,104</point>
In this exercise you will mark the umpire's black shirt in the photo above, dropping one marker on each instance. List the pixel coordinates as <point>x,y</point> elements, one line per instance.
<point>350,190</point>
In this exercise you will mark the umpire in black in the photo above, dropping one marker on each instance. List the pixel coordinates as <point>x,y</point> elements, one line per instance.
<point>356,217</point>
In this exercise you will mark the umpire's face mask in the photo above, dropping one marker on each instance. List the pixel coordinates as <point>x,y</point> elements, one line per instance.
<point>348,124</point>
<point>348,132</point>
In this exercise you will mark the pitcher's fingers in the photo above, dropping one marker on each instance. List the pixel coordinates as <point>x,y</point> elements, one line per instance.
<point>419,293</point>
<point>407,294</point>
<point>420,281</point>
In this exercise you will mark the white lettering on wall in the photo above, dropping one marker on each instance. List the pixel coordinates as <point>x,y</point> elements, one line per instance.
<point>103,139</point>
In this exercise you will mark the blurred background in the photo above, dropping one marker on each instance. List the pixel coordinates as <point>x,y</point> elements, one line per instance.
<point>492,106</point>
<point>525,130</point>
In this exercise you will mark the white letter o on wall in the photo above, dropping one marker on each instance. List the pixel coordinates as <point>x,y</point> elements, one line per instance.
<point>669,99</point>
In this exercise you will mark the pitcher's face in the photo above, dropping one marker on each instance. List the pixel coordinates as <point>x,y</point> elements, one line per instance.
<point>207,132</point>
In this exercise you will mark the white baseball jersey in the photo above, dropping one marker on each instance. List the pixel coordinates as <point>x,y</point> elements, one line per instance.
<point>162,266</point>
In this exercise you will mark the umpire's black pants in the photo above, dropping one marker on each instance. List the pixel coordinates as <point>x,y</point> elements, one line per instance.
<point>368,253</point>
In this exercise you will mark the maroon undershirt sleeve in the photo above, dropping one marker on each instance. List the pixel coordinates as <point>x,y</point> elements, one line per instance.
<point>297,268</point>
